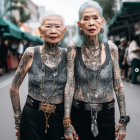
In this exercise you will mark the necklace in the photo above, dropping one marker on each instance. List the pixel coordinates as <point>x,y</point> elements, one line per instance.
<point>47,107</point>
<point>55,73</point>
<point>99,72</point>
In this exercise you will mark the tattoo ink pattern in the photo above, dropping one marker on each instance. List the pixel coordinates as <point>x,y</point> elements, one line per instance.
<point>70,85</point>
<point>18,78</point>
<point>35,76</point>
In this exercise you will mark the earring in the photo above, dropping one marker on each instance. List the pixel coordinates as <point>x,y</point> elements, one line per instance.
<point>81,32</point>
<point>40,36</point>
<point>102,30</point>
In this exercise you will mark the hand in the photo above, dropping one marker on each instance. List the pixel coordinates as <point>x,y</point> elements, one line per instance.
<point>70,133</point>
<point>17,134</point>
<point>121,131</point>
<point>123,63</point>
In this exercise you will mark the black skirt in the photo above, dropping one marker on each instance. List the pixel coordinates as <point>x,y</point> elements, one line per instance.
<point>33,122</point>
<point>81,121</point>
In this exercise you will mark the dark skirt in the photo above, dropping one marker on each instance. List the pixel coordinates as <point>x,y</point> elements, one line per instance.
<point>81,120</point>
<point>33,122</point>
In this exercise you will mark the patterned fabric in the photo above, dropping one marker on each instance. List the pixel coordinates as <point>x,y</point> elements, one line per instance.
<point>35,76</point>
<point>105,86</point>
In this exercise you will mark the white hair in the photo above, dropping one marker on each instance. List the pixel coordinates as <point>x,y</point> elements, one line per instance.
<point>51,13</point>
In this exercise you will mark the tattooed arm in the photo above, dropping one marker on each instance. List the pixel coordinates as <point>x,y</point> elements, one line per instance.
<point>119,90</point>
<point>117,83</point>
<point>23,67</point>
<point>69,89</point>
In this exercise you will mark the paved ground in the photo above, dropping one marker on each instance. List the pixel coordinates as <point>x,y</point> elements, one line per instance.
<point>7,130</point>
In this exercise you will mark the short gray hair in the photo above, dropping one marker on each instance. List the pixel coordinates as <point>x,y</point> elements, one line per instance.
<point>51,13</point>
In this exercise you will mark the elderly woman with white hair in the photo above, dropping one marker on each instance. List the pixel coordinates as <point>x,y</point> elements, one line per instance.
<point>42,115</point>
<point>92,75</point>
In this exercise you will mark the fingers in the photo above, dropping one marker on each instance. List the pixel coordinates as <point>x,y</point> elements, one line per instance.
<point>121,136</point>
<point>116,131</point>
<point>70,137</point>
<point>16,133</point>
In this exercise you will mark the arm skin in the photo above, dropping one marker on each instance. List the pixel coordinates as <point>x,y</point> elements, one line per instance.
<point>70,85</point>
<point>69,132</point>
<point>137,50</point>
<point>117,83</point>
<point>23,67</point>
<point>119,91</point>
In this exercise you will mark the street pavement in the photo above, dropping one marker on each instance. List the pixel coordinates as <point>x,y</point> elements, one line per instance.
<point>7,131</point>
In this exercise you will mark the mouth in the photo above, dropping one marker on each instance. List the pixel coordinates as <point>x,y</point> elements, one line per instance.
<point>53,38</point>
<point>92,30</point>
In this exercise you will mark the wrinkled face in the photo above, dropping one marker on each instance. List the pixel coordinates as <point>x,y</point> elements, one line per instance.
<point>91,22</point>
<point>52,29</point>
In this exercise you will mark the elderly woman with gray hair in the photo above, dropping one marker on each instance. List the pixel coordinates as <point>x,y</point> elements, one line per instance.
<point>42,115</point>
<point>92,75</point>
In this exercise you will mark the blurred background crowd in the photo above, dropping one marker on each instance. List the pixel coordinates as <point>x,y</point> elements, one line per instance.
<point>19,21</point>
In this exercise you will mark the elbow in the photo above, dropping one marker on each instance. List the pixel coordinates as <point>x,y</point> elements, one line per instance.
<point>12,89</point>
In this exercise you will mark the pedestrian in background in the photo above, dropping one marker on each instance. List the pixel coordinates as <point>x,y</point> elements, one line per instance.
<point>4,53</point>
<point>134,55</point>
<point>20,50</point>
<point>121,50</point>
<point>126,62</point>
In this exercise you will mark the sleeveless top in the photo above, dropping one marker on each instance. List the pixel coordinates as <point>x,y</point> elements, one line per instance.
<point>35,71</point>
<point>105,86</point>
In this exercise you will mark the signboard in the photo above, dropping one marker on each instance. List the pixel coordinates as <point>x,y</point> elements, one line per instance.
<point>137,28</point>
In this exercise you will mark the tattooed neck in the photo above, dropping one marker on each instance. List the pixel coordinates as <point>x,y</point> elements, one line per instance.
<point>92,43</point>
<point>51,48</point>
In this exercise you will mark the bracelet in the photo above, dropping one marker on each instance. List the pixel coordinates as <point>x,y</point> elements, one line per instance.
<point>66,122</point>
<point>123,122</point>
<point>17,121</point>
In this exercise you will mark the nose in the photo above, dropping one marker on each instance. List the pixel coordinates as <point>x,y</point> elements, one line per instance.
<point>91,22</point>
<point>53,31</point>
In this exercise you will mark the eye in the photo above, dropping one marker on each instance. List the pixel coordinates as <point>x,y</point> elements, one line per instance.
<point>47,26</point>
<point>85,19</point>
<point>57,26</point>
<point>96,18</point>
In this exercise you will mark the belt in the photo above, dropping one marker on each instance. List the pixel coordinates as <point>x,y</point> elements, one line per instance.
<point>95,109</point>
<point>35,104</point>
<point>92,107</point>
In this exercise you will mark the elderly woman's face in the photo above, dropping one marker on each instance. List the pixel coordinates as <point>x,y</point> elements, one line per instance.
<point>91,22</point>
<point>52,29</point>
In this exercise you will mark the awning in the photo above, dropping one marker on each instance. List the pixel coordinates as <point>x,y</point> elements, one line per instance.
<point>3,25</point>
<point>38,40</point>
<point>125,18</point>
<point>28,36</point>
<point>14,31</point>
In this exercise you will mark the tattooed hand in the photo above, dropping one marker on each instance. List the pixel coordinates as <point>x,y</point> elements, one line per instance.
<point>120,131</point>
<point>70,134</point>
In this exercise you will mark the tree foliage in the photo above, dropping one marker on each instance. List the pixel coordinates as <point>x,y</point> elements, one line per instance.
<point>24,17</point>
<point>107,6</point>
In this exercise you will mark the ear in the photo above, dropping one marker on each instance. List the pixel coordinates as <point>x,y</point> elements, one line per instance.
<point>64,31</point>
<point>39,29</point>
<point>103,21</point>
<point>79,24</point>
